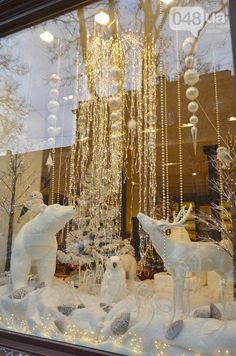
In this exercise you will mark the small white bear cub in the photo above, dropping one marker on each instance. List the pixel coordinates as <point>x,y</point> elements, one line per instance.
<point>113,287</point>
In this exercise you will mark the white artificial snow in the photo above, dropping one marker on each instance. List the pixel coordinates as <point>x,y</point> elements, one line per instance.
<point>149,304</point>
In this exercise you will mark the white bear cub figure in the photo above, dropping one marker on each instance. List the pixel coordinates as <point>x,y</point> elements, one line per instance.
<point>36,243</point>
<point>113,287</point>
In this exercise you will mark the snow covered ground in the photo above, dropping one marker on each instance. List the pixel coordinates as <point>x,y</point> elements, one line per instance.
<point>149,305</point>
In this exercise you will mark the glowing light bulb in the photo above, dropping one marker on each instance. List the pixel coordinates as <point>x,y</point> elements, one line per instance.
<point>47,36</point>
<point>102,18</point>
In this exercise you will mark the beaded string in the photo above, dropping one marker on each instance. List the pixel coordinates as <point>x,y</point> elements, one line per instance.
<point>179,123</point>
<point>218,133</point>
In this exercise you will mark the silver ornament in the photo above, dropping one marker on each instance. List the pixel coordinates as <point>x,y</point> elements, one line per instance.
<point>215,312</point>
<point>192,93</point>
<point>54,93</point>
<point>190,61</point>
<point>193,107</point>
<point>191,77</point>
<point>193,120</point>
<point>52,119</point>
<point>54,80</point>
<point>115,103</point>
<point>53,106</point>
<point>66,309</point>
<point>115,116</point>
<point>174,329</point>
<point>202,313</point>
<point>20,293</point>
<point>132,124</point>
<point>61,325</point>
<point>120,325</point>
<point>188,45</point>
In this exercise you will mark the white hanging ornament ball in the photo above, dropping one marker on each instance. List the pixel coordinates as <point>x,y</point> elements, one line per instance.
<point>116,73</point>
<point>51,140</point>
<point>115,116</point>
<point>132,124</point>
<point>54,80</point>
<point>51,131</point>
<point>193,107</point>
<point>115,103</point>
<point>53,106</point>
<point>192,93</point>
<point>190,61</point>
<point>193,120</point>
<point>114,126</point>
<point>52,119</point>
<point>188,44</point>
<point>54,93</point>
<point>191,77</point>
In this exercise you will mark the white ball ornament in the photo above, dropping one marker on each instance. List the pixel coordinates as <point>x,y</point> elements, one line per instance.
<point>192,93</point>
<point>51,131</point>
<point>188,45</point>
<point>54,80</point>
<point>193,120</point>
<point>132,124</point>
<point>52,119</point>
<point>191,77</point>
<point>54,93</point>
<point>51,140</point>
<point>116,73</point>
<point>115,103</point>
<point>193,107</point>
<point>53,106</point>
<point>190,61</point>
<point>115,116</point>
<point>114,126</point>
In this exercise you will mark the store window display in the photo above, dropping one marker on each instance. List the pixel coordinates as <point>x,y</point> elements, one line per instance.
<point>117,168</point>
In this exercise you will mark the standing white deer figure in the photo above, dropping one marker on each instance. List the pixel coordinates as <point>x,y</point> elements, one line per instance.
<point>182,257</point>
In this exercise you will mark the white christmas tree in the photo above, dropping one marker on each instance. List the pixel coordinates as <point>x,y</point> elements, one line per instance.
<point>96,230</point>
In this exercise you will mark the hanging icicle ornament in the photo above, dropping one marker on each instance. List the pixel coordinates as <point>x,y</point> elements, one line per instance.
<point>191,77</point>
<point>49,162</point>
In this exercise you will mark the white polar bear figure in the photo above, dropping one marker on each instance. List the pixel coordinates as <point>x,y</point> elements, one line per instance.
<point>36,243</point>
<point>113,287</point>
<point>130,266</point>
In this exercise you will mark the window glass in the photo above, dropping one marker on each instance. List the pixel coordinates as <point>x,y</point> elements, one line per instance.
<point>112,110</point>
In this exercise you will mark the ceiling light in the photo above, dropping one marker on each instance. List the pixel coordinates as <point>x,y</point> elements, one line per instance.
<point>102,18</point>
<point>232,118</point>
<point>47,36</point>
<point>167,1</point>
<point>65,98</point>
<point>194,174</point>
<point>70,97</point>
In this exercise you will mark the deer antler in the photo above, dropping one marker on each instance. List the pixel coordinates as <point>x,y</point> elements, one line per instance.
<point>181,212</point>
<point>178,221</point>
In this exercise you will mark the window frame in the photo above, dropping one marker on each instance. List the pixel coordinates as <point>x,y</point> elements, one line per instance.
<point>17,15</point>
